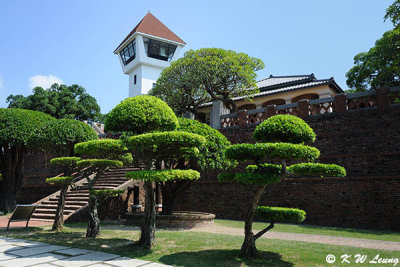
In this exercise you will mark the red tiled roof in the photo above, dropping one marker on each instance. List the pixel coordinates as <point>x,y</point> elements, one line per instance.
<point>151,25</point>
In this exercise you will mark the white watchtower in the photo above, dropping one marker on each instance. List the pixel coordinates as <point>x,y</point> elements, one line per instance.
<point>146,51</point>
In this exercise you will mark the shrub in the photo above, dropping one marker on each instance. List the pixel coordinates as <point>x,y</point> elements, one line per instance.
<point>65,162</point>
<point>103,148</point>
<point>99,163</point>
<point>260,151</point>
<point>316,169</point>
<point>141,114</point>
<point>106,193</point>
<point>278,214</point>
<point>165,141</point>
<point>60,180</point>
<point>163,175</point>
<point>253,177</point>
<point>284,128</point>
<point>61,135</point>
<point>211,154</point>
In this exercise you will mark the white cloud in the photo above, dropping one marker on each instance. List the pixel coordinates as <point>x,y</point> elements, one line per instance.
<point>44,81</point>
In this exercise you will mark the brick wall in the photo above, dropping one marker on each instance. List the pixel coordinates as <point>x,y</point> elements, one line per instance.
<point>366,142</point>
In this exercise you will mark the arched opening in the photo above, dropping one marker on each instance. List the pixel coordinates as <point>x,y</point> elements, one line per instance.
<point>305,96</point>
<point>274,102</point>
<point>247,107</point>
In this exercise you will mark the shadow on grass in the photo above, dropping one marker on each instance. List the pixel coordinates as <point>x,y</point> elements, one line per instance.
<point>217,257</point>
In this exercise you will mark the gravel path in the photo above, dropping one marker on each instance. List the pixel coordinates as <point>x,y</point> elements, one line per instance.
<point>322,239</point>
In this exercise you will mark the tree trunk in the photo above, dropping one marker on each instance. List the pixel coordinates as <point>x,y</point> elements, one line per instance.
<point>11,166</point>
<point>147,235</point>
<point>94,222</point>
<point>170,191</point>
<point>249,244</point>
<point>59,219</point>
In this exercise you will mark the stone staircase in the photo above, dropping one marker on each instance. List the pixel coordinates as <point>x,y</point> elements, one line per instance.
<point>77,198</point>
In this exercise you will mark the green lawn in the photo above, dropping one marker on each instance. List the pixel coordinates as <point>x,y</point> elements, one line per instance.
<point>319,230</point>
<point>182,248</point>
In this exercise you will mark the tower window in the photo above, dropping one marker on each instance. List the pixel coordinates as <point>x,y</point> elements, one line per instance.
<point>129,52</point>
<point>134,79</point>
<point>159,50</point>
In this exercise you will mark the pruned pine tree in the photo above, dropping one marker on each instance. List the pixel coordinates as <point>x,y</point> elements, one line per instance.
<point>283,138</point>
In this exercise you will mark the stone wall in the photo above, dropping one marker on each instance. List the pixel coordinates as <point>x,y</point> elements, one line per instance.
<point>365,141</point>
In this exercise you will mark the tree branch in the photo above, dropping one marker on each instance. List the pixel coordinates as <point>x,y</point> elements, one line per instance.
<point>259,234</point>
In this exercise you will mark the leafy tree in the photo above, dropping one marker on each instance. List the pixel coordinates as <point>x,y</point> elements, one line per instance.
<point>380,66</point>
<point>68,164</point>
<point>180,87</point>
<point>104,154</point>
<point>19,130</point>
<point>284,137</point>
<point>210,156</point>
<point>60,136</point>
<point>59,101</point>
<point>219,73</point>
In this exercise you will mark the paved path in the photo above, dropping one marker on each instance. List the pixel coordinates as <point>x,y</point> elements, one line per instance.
<point>19,253</point>
<point>322,239</point>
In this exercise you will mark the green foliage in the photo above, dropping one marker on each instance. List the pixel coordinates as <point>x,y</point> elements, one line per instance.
<point>393,13</point>
<point>126,158</point>
<point>284,128</point>
<point>227,177</point>
<point>267,174</point>
<point>65,180</point>
<point>222,74</point>
<point>316,169</point>
<point>141,114</point>
<point>61,135</point>
<point>59,101</point>
<point>163,175</point>
<point>106,193</point>
<point>264,168</point>
<point>165,144</point>
<point>99,163</point>
<point>211,154</point>
<point>66,162</point>
<point>180,87</point>
<point>261,151</point>
<point>282,215</point>
<point>103,148</point>
<point>20,127</point>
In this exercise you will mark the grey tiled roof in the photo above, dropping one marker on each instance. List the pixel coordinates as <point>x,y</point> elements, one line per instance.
<point>279,84</point>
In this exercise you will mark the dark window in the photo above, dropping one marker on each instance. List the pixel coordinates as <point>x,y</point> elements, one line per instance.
<point>128,53</point>
<point>134,79</point>
<point>159,50</point>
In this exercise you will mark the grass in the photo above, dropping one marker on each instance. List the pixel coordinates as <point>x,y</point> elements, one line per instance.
<point>183,248</point>
<point>318,230</point>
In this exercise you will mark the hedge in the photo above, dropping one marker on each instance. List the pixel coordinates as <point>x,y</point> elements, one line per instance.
<point>285,129</point>
<point>260,151</point>
<point>141,114</point>
<point>163,175</point>
<point>278,214</point>
<point>106,193</point>
<point>103,148</point>
<point>265,168</point>
<point>62,134</point>
<point>165,141</point>
<point>99,163</point>
<point>60,180</point>
<point>67,162</point>
<point>211,154</point>
<point>316,169</point>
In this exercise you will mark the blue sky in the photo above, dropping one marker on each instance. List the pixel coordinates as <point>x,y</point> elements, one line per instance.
<point>73,41</point>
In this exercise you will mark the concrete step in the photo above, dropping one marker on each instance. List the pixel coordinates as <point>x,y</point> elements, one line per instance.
<point>54,206</point>
<point>71,198</point>
<point>52,211</point>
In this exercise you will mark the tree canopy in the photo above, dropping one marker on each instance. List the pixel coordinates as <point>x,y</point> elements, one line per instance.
<point>208,74</point>
<point>380,66</point>
<point>59,101</point>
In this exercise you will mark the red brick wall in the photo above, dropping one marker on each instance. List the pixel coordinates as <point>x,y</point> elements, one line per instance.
<point>365,142</point>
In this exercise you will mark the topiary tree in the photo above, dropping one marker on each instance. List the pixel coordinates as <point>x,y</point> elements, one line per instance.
<point>211,156</point>
<point>105,154</point>
<point>141,114</point>
<point>284,137</point>
<point>19,129</point>
<point>61,135</point>
<point>68,164</point>
<point>161,149</point>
